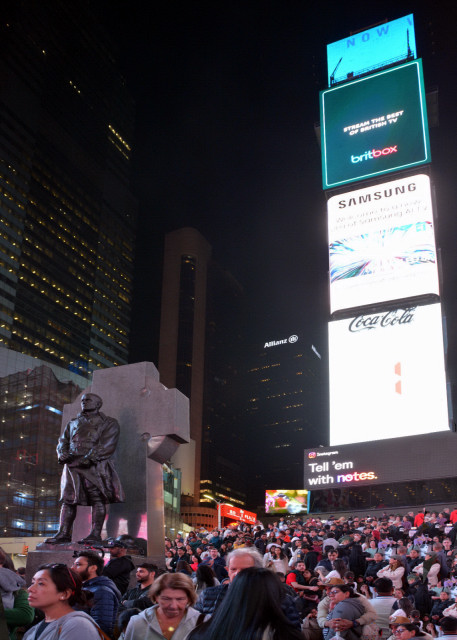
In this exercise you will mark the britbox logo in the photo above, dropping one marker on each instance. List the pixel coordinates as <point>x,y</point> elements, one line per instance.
<point>374,153</point>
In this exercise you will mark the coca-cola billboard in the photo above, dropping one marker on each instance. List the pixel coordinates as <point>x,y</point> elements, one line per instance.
<point>387,376</point>
<point>235,513</point>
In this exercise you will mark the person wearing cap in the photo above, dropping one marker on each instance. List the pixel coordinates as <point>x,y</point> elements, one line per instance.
<point>367,616</point>
<point>119,566</point>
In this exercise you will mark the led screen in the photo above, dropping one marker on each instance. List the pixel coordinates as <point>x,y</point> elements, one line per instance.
<point>387,377</point>
<point>369,463</point>
<point>370,49</point>
<point>374,125</point>
<point>283,501</point>
<point>382,243</point>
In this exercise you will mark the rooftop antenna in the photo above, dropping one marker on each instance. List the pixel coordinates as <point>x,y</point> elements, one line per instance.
<point>332,77</point>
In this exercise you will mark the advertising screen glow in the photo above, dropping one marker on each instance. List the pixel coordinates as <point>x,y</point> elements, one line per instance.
<point>382,243</point>
<point>374,125</point>
<point>370,49</point>
<point>286,501</point>
<point>387,376</point>
<point>371,463</point>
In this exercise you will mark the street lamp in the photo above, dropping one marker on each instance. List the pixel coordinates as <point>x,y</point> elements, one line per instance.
<point>219,504</point>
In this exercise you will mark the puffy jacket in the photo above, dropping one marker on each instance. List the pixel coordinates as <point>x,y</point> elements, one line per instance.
<point>104,603</point>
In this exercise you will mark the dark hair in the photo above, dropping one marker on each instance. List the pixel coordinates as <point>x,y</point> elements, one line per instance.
<point>412,627</point>
<point>205,576</point>
<point>124,618</point>
<point>346,588</point>
<point>5,560</point>
<point>183,567</point>
<point>251,605</point>
<point>65,579</point>
<point>406,605</point>
<point>152,568</point>
<point>92,559</point>
<point>383,585</point>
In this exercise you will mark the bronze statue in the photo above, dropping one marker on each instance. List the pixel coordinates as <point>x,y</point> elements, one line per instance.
<point>89,477</point>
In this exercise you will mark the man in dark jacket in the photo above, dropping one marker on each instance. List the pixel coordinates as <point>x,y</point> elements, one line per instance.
<point>373,566</point>
<point>104,597</point>
<point>240,559</point>
<point>120,566</point>
<point>137,597</point>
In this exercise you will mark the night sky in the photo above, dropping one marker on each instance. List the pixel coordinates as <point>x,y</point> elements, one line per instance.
<point>227,97</point>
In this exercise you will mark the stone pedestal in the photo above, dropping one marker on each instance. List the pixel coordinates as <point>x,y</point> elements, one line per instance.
<point>154,420</point>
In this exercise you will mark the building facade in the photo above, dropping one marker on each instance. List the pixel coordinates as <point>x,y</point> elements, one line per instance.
<point>67,213</point>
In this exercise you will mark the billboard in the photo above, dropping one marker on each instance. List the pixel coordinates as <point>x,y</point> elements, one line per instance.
<point>370,49</point>
<point>236,513</point>
<point>388,461</point>
<point>286,501</point>
<point>374,125</point>
<point>387,375</point>
<point>382,243</point>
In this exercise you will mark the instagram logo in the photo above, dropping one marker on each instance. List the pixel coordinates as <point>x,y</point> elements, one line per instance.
<point>312,454</point>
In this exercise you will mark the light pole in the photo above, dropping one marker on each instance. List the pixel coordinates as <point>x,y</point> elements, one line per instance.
<point>219,505</point>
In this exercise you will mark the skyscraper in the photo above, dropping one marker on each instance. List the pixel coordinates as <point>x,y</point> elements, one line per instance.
<point>67,213</point>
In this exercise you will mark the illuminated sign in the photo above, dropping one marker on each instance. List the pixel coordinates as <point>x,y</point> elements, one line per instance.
<point>374,125</point>
<point>287,501</point>
<point>371,463</point>
<point>238,514</point>
<point>382,243</point>
<point>387,375</point>
<point>274,343</point>
<point>363,52</point>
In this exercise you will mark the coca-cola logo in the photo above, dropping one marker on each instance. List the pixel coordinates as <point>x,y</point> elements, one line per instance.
<point>379,320</point>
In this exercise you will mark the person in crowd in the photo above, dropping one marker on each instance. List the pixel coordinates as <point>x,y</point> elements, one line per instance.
<point>383,604</point>
<point>406,630</point>
<point>439,606</point>
<point>138,597</point>
<point>55,590</point>
<point>204,578</point>
<point>250,610</point>
<point>119,567</point>
<point>240,559</point>
<point>216,563</point>
<point>344,605</point>
<point>429,570</point>
<point>173,615</point>
<point>10,582</point>
<point>448,628</point>
<point>394,571</point>
<point>276,559</point>
<point>413,559</point>
<point>405,606</point>
<point>104,597</point>
<point>324,607</point>
<point>338,571</point>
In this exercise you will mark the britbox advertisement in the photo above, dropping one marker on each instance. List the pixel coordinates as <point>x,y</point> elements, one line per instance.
<point>374,125</point>
<point>382,243</point>
<point>387,375</point>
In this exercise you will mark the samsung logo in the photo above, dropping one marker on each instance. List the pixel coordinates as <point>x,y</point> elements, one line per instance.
<point>377,195</point>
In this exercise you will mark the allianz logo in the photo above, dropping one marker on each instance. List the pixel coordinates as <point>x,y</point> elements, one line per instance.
<point>274,343</point>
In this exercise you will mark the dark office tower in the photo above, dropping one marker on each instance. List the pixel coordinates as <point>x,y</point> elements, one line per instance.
<point>67,213</point>
<point>283,412</point>
<point>182,336</point>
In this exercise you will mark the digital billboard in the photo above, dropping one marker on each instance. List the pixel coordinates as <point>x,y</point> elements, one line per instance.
<point>386,375</point>
<point>286,501</point>
<point>370,49</point>
<point>235,513</point>
<point>370,463</point>
<point>382,243</point>
<point>374,125</point>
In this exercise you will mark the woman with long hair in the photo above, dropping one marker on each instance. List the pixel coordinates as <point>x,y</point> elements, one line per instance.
<point>204,578</point>
<point>54,590</point>
<point>250,611</point>
<point>172,616</point>
<point>395,571</point>
<point>405,606</point>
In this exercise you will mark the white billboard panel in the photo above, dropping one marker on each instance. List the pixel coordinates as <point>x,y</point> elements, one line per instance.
<point>387,376</point>
<point>382,243</point>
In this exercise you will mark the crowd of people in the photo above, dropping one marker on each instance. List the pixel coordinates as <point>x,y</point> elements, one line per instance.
<point>311,578</point>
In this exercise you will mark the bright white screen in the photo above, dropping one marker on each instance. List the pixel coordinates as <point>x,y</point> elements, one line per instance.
<point>382,243</point>
<point>387,381</point>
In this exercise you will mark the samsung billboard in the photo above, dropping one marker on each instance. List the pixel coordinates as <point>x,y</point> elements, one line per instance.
<point>372,48</point>
<point>374,125</point>
<point>387,375</point>
<point>382,243</point>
